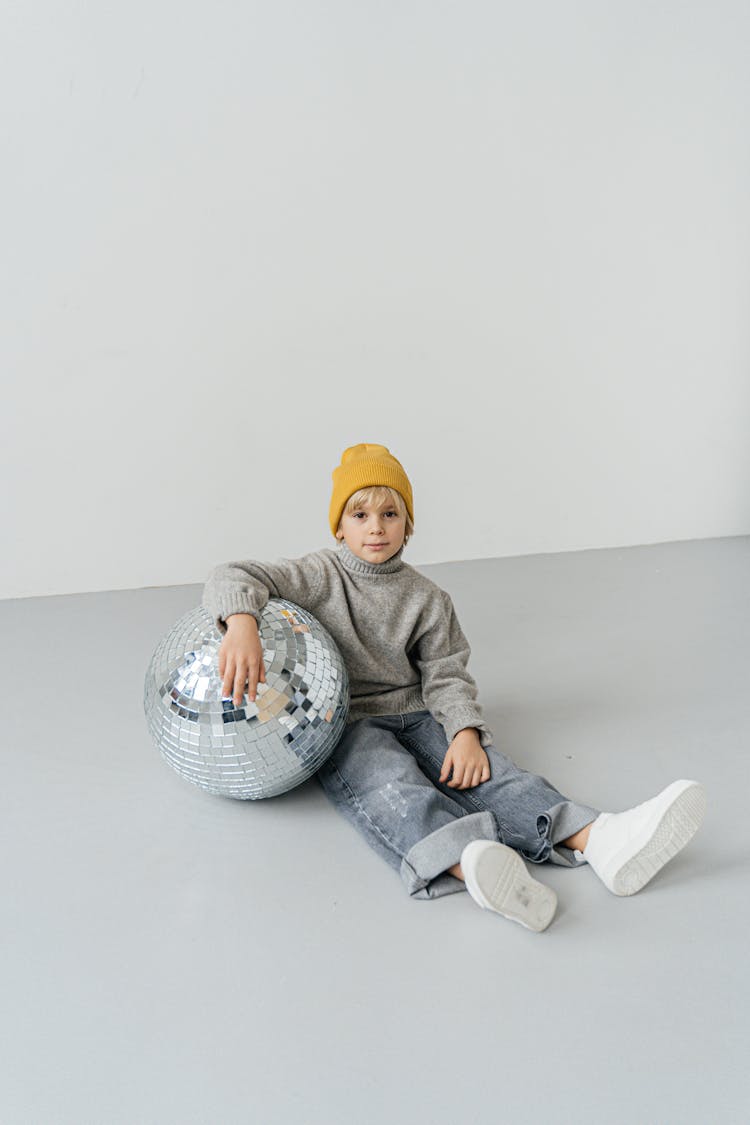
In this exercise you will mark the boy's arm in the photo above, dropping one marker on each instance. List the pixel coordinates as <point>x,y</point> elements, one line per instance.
<point>448,689</point>
<point>245,586</point>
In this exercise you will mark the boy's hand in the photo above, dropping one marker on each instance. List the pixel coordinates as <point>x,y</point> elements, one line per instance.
<point>468,760</point>
<point>241,658</point>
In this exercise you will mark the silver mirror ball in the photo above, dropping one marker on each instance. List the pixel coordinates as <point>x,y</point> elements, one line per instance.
<point>263,748</point>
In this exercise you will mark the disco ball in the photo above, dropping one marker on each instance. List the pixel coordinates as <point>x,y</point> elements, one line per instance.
<point>258,749</point>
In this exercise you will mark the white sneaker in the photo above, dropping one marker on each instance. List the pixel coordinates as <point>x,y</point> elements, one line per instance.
<point>496,878</point>
<point>627,849</point>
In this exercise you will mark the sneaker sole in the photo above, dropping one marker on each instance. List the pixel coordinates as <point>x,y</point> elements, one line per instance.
<point>496,877</point>
<point>676,826</point>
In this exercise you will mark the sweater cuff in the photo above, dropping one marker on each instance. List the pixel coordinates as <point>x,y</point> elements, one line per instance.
<point>460,717</point>
<point>231,605</point>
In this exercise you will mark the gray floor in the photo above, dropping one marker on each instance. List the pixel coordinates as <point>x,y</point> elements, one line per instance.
<point>173,957</point>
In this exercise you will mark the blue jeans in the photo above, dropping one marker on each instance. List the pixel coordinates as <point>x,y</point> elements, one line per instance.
<point>384,775</point>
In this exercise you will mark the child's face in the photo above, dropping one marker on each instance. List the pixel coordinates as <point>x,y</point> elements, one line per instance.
<point>371,525</point>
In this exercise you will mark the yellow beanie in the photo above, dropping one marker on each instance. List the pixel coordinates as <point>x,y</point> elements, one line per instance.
<point>363,466</point>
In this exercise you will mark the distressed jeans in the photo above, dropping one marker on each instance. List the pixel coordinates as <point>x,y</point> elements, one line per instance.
<point>384,775</point>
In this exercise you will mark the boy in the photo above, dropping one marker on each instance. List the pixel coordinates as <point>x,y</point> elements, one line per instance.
<point>415,770</point>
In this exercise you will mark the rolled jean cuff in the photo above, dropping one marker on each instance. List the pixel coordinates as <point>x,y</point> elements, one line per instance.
<point>560,822</point>
<point>424,867</point>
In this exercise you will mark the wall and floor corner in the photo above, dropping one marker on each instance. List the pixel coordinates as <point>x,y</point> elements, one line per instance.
<point>510,243</point>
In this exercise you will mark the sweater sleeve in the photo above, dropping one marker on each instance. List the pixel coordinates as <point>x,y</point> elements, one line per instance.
<point>448,689</point>
<point>246,586</point>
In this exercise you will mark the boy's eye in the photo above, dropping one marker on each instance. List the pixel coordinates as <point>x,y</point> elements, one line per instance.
<point>358,514</point>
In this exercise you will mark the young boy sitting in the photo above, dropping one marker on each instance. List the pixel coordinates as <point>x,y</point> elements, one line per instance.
<point>415,770</point>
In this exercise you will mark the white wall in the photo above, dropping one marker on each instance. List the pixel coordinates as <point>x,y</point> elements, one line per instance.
<point>510,241</point>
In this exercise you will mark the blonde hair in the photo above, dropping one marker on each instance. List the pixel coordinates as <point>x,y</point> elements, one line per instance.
<point>376,495</point>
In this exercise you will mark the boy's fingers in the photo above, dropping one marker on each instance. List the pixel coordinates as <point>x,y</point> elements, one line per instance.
<point>235,672</point>
<point>240,680</point>
<point>256,676</point>
<point>237,675</point>
<point>471,776</point>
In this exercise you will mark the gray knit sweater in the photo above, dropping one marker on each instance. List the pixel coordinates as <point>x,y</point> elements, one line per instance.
<point>396,629</point>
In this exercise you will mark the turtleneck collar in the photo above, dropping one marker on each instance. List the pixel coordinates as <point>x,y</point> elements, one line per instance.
<point>356,565</point>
